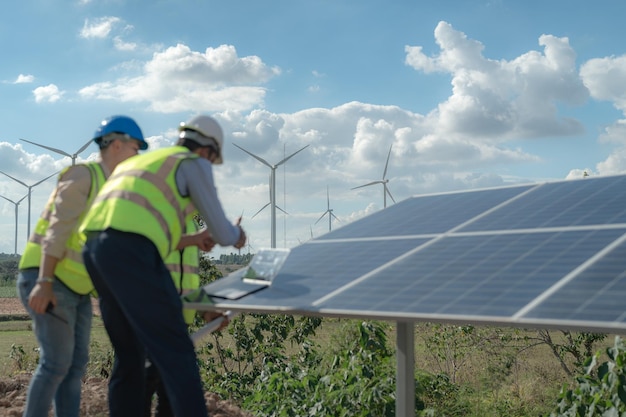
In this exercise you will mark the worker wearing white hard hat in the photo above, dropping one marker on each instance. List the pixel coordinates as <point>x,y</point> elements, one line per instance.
<point>136,221</point>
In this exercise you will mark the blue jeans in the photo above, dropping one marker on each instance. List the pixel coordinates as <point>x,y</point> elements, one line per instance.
<point>63,349</point>
<point>143,316</point>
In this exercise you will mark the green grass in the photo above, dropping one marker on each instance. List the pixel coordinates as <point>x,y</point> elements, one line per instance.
<point>18,333</point>
<point>8,292</point>
<point>529,385</point>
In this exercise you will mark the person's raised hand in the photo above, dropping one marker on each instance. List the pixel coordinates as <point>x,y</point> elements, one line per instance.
<point>204,241</point>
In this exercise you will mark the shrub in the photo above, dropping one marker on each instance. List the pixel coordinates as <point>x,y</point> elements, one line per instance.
<point>600,391</point>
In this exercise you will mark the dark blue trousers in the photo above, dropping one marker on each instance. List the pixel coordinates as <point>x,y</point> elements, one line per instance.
<point>142,313</point>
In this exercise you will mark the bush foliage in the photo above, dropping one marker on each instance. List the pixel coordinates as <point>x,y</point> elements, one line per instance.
<point>601,391</point>
<point>272,365</point>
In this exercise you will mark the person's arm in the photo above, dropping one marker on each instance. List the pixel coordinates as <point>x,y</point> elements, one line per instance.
<point>201,239</point>
<point>70,201</point>
<point>195,179</point>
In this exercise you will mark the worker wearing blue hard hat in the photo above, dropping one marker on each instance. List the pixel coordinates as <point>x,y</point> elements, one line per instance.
<point>53,284</point>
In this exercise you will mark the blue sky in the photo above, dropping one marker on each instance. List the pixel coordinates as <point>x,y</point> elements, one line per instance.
<point>467,94</point>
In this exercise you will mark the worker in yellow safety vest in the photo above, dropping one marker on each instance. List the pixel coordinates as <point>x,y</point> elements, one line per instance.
<point>52,278</point>
<point>137,219</point>
<point>184,265</point>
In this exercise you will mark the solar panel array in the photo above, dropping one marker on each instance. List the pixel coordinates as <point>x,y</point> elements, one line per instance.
<point>548,255</point>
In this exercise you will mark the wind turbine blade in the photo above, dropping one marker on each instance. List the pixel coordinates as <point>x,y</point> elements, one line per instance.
<point>83,147</point>
<point>366,185</point>
<point>260,210</point>
<point>48,147</point>
<point>327,197</point>
<point>321,217</point>
<point>25,185</point>
<point>290,156</point>
<point>282,210</point>
<point>389,193</point>
<point>387,163</point>
<point>335,217</point>
<point>39,182</point>
<point>15,202</point>
<point>261,160</point>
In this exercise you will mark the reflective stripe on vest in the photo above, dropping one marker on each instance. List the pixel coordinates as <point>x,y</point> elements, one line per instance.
<point>141,197</point>
<point>70,269</point>
<point>185,269</point>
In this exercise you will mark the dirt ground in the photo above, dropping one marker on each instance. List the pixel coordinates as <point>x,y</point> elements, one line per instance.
<point>94,391</point>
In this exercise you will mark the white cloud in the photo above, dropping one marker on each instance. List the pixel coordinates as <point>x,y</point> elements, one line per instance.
<point>576,174</point>
<point>24,79</point>
<point>121,45</point>
<point>179,79</point>
<point>47,94</point>
<point>606,79</point>
<point>98,28</point>
<point>501,100</point>
<point>349,143</point>
<point>614,164</point>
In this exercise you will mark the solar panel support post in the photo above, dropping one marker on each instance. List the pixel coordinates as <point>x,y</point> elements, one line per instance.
<point>405,374</point>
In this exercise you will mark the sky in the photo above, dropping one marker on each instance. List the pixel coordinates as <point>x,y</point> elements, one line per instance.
<point>459,94</point>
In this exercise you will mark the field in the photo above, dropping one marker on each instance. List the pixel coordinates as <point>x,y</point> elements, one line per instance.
<point>15,331</point>
<point>7,292</point>
<point>497,372</point>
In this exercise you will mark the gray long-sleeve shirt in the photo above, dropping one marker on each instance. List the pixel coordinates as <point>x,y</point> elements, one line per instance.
<point>194,178</point>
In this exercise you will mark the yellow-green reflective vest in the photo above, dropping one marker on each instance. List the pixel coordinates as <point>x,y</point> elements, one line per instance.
<point>184,265</point>
<point>70,269</point>
<point>141,197</point>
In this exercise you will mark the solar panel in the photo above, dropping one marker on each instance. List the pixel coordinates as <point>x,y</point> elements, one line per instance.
<point>546,254</point>
<point>435,214</point>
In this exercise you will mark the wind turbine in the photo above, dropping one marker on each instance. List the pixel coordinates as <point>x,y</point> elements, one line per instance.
<point>272,186</point>
<point>384,182</point>
<point>270,202</point>
<point>248,245</point>
<point>329,211</point>
<point>72,156</point>
<point>30,187</point>
<point>15,203</point>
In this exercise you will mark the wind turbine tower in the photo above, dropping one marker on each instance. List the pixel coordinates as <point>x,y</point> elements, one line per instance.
<point>329,211</point>
<point>272,185</point>
<point>30,187</point>
<point>384,182</point>
<point>59,151</point>
<point>15,203</point>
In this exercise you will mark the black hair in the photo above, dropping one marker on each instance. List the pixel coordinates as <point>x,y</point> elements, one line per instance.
<point>192,145</point>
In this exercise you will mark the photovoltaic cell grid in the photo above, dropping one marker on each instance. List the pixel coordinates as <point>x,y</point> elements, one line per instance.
<point>551,255</point>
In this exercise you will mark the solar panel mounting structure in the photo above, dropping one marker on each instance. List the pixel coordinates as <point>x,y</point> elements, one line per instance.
<point>547,255</point>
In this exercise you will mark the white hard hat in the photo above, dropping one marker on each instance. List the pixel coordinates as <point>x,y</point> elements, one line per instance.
<point>210,133</point>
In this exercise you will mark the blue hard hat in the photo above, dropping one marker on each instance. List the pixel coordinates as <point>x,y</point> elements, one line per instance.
<point>120,124</point>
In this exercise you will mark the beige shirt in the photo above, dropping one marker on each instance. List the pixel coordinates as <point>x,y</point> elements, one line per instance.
<point>70,201</point>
